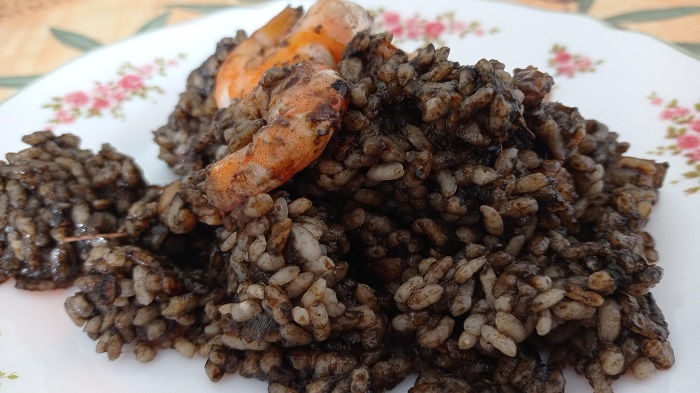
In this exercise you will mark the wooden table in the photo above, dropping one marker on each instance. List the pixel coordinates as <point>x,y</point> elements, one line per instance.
<point>39,35</point>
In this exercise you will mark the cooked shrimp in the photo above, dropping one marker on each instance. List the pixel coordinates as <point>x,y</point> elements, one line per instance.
<point>305,107</point>
<point>242,69</point>
<point>288,38</point>
<point>335,19</point>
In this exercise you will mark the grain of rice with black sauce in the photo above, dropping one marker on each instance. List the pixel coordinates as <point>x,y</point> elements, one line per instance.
<point>456,225</point>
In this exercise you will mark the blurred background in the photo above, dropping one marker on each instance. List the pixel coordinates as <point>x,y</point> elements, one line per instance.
<point>36,36</point>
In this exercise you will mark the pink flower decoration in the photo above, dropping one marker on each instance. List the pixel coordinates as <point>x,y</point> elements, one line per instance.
<point>77,99</point>
<point>413,27</point>
<point>118,96</point>
<point>131,82</point>
<point>418,27</point>
<point>63,116</point>
<point>562,57</point>
<point>101,90</point>
<point>666,114</point>
<point>458,26</point>
<point>566,70</point>
<point>99,104</point>
<point>146,70</point>
<point>670,113</point>
<point>682,111</point>
<point>695,155</point>
<point>569,64</point>
<point>391,18</point>
<point>688,141</point>
<point>683,127</point>
<point>584,63</point>
<point>434,29</point>
<point>108,96</point>
<point>397,31</point>
<point>695,125</point>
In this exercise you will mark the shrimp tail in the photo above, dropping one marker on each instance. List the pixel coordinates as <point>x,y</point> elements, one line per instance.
<point>290,37</point>
<point>268,36</point>
<point>278,27</point>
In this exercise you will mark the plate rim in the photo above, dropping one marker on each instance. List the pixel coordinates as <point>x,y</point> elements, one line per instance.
<point>270,3</point>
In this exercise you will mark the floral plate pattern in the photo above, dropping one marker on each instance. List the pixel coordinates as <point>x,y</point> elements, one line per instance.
<point>684,130</point>
<point>569,64</point>
<point>433,30</point>
<point>108,97</point>
<point>120,94</point>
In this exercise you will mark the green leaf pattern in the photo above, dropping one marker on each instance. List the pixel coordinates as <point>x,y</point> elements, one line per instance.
<point>17,81</point>
<point>10,376</point>
<point>74,40</point>
<point>209,8</point>
<point>584,6</point>
<point>652,15</point>
<point>691,48</point>
<point>155,23</point>
<point>202,8</point>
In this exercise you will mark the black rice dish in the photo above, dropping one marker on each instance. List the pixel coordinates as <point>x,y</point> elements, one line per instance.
<point>457,224</point>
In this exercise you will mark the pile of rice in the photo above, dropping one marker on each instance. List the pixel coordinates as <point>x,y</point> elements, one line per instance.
<point>456,225</point>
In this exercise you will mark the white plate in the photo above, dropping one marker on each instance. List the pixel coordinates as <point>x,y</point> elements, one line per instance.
<point>42,348</point>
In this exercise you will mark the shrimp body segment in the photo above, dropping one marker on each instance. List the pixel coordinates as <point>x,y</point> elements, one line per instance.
<point>290,37</point>
<point>304,110</point>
